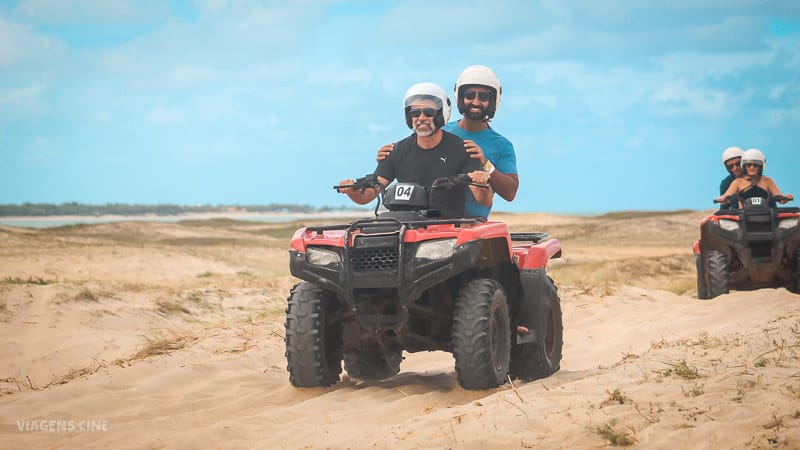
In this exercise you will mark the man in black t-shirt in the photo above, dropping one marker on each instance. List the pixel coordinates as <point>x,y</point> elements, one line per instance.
<point>732,160</point>
<point>430,152</point>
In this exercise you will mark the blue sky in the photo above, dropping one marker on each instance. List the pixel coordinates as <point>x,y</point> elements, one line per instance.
<point>611,105</point>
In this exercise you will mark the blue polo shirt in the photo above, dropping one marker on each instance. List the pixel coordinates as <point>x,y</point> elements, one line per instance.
<point>497,149</point>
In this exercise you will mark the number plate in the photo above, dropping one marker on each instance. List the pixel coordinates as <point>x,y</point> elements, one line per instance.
<point>404,192</point>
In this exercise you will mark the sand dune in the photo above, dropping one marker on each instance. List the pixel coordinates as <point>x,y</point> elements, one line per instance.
<point>170,335</point>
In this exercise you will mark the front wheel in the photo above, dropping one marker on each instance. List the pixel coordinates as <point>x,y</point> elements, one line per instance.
<point>313,337</point>
<point>702,286</point>
<point>796,272</point>
<point>541,358</point>
<point>481,335</point>
<point>717,273</point>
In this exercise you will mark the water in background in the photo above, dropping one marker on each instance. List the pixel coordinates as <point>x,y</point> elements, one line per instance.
<point>60,221</point>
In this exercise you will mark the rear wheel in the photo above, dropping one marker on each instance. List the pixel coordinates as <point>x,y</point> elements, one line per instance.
<point>313,337</point>
<point>717,273</point>
<point>481,335</point>
<point>541,358</point>
<point>796,272</point>
<point>702,287</point>
<point>373,365</point>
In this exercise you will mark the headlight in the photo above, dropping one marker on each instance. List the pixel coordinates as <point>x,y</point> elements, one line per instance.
<point>729,225</point>
<point>788,223</point>
<point>320,257</point>
<point>435,250</point>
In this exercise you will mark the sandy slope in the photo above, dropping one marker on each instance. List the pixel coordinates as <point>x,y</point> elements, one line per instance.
<point>171,335</point>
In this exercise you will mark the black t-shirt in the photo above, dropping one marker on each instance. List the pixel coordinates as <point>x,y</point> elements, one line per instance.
<point>408,163</point>
<point>723,188</point>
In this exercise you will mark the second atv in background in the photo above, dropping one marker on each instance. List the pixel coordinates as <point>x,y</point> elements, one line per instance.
<point>748,248</point>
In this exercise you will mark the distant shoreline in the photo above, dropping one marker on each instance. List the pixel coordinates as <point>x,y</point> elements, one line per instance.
<point>271,217</point>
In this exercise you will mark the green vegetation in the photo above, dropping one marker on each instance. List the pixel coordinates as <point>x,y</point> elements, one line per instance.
<point>31,280</point>
<point>124,209</point>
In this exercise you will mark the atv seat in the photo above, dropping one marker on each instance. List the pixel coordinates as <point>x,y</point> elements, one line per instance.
<point>533,237</point>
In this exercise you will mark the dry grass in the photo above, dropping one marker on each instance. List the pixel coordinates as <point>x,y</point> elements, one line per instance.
<point>168,307</point>
<point>671,273</point>
<point>616,397</point>
<point>617,438</point>
<point>161,345</point>
<point>682,370</point>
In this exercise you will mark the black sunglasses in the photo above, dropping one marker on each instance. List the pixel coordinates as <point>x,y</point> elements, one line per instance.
<point>732,166</point>
<point>751,165</point>
<point>416,112</point>
<point>482,96</point>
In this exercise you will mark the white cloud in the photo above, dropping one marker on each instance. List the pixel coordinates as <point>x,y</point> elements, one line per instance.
<point>678,98</point>
<point>700,64</point>
<point>21,46</point>
<point>339,76</point>
<point>378,128</point>
<point>161,115</point>
<point>22,97</point>
<point>193,75</point>
<point>519,102</point>
<point>783,116</point>
<point>99,116</point>
<point>88,11</point>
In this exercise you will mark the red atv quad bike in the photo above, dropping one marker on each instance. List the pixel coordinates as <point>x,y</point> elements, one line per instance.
<point>420,277</point>
<point>755,246</point>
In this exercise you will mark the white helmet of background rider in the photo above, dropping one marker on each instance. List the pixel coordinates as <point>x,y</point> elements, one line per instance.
<point>428,91</point>
<point>754,156</point>
<point>730,153</point>
<point>479,76</point>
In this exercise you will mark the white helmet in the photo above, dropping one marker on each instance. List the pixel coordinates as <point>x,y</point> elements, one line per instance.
<point>754,156</point>
<point>730,153</point>
<point>479,76</point>
<point>428,91</point>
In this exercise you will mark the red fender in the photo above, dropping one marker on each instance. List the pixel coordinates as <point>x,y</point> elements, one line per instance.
<point>537,255</point>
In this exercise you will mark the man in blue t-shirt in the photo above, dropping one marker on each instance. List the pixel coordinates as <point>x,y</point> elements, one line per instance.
<point>478,93</point>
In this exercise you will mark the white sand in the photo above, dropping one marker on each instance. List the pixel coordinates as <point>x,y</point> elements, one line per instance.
<point>69,349</point>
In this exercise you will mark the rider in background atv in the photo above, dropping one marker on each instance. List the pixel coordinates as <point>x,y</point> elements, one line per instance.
<point>753,183</point>
<point>732,160</point>
<point>478,93</point>
<point>429,153</point>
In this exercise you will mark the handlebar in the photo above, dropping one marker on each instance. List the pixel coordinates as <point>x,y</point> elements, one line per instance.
<point>360,184</point>
<point>737,197</point>
<point>371,181</point>
<point>778,198</point>
<point>461,179</point>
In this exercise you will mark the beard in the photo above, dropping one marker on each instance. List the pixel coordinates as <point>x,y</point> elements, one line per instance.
<point>474,115</point>
<point>424,129</point>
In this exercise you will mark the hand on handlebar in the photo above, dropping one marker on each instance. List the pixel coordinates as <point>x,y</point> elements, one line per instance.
<point>480,178</point>
<point>345,186</point>
<point>731,199</point>
<point>348,186</point>
<point>782,199</point>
